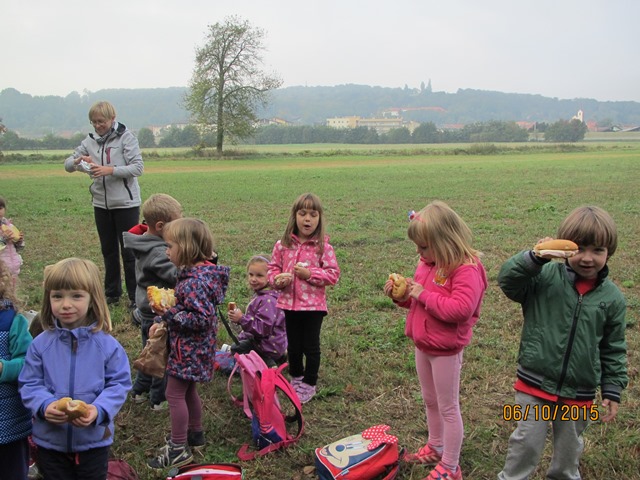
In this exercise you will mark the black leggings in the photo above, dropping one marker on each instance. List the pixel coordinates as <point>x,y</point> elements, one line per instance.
<point>303,338</point>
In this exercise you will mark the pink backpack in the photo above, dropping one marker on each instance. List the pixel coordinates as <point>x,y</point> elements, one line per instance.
<point>264,390</point>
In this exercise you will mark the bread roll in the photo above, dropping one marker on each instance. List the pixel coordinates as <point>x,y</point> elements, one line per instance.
<point>73,408</point>
<point>556,248</point>
<point>161,298</point>
<point>232,306</point>
<point>399,286</point>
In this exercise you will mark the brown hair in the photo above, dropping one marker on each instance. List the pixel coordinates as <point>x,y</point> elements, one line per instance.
<point>193,238</point>
<point>306,201</point>
<point>590,225</point>
<point>161,207</point>
<point>76,274</point>
<point>448,237</point>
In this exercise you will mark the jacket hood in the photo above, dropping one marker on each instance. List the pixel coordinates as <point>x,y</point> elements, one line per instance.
<point>210,274</point>
<point>142,243</point>
<point>268,292</point>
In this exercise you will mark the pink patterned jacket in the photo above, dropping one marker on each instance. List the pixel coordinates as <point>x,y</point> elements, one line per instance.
<point>304,294</point>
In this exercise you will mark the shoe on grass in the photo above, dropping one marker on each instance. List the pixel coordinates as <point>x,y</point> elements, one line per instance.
<point>160,407</point>
<point>171,455</point>
<point>425,456</point>
<point>195,440</point>
<point>443,473</point>
<point>140,397</point>
<point>295,381</point>
<point>112,300</point>
<point>305,392</point>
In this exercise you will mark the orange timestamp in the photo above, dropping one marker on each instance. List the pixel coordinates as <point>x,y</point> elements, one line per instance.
<point>550,413</point>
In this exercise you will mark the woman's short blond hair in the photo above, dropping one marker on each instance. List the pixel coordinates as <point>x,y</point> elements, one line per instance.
<point>103,109</point>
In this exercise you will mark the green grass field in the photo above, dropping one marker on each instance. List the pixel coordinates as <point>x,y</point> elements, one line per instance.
<point>367,376</point>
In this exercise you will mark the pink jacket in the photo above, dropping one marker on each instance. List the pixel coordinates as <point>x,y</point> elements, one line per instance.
<point>440,321</point>
<point>304,294</point>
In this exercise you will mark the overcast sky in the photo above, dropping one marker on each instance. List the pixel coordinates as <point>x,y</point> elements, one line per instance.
<point>556,48</point>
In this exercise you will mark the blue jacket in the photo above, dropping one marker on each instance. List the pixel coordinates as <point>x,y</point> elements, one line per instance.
<point>15,420</point>
<point>84,365</point>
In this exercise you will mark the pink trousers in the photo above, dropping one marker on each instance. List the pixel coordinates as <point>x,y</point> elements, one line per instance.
<point>440,384</point>
<point>185,408</point>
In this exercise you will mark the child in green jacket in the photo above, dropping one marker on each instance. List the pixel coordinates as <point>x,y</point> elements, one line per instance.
<point>573,340</point>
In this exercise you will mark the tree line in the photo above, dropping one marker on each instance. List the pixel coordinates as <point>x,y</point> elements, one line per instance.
<point>190,136</point>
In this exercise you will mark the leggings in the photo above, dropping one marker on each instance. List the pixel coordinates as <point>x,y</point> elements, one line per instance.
<point>440,384</point>
<point>185,408</point>
<point>303,338</point>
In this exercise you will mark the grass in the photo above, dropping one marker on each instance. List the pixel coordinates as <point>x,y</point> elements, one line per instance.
<point>367,374</point>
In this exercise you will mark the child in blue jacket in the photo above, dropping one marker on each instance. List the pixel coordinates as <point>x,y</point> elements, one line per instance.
<point>15,419</point>
<point>75,356</point>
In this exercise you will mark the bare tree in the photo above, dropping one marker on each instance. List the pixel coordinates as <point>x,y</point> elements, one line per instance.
<point>228,84</point>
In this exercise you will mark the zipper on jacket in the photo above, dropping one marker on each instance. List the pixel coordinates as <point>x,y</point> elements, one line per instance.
<point>567,354</point>
<point>104,179</point>
<point>72,375</point>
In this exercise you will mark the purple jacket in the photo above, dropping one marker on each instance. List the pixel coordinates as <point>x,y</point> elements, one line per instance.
<point>81,364</point>
<point>264,323</point>
<point>193,322</point>
<point>304,294</point>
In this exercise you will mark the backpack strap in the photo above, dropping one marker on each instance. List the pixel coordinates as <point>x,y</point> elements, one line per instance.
<point>226,325</point>
<point>270,380</point>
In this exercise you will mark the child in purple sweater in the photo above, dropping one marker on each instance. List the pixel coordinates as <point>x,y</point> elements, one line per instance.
<point>263,327</point>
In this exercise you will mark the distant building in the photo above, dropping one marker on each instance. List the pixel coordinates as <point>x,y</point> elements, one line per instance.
<point>380,125</point>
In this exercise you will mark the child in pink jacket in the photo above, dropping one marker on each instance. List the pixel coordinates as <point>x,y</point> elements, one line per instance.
<point>443,299</point>
<point>302,264</point>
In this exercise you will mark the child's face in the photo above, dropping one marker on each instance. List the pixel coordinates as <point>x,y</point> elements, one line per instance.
<point>172,252</point>
<point>3,211</point>
<point>257,276</point>
<point>589,261</point>
<point>425,253</point>
<point>70,307</point>
<point>307,221</point>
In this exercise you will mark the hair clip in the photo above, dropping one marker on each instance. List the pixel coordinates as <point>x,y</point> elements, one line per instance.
<point>412,214</point>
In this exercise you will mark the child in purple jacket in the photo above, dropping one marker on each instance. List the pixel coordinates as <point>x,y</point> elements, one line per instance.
<point>263,327</point>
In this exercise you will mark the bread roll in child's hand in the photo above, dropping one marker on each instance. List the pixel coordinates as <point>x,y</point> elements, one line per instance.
<point>283,279</point>
<point>73,408</point>
<point>399,286</point>
<point>557,248</point>
<point>160,299</point>
<point>10,231</point>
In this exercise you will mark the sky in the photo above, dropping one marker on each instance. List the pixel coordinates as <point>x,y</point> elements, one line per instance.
<point>555,48</point>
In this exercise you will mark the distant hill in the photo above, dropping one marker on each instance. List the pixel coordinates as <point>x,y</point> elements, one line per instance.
<point>39,115</point>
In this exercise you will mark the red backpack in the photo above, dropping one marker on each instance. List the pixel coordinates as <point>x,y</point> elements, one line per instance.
<point>264,391</point>
<point>207,471</point>
<point>372,454</point>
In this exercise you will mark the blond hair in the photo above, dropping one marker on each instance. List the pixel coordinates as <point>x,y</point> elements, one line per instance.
<point>306,201</point>
<point>103,109</point>
<point>76,274</point>
<point>193,239</point>
<point>590,225</point>
<point>7,286</point>
<point>161,207</point>
<point>438,227</point>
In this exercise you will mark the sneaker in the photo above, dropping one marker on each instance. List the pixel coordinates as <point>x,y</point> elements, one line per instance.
<point>426,456</point>
<point>443,473</point>
<point>136,318</point>
<point>159,407</point>
<point>195,440</point>
<point>34,472</point>
<point>305,392</point>
<point>171,455</point>
<point>295,381</point>
<point>112,300</point>
<point>140,397</point>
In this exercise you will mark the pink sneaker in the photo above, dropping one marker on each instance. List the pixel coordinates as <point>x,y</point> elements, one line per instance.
<point>443,473</point>
<point>425,456</point>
